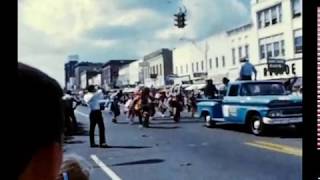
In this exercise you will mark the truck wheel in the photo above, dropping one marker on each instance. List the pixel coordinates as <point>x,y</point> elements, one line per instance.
<point>257,127</point>
<point>209,122</point>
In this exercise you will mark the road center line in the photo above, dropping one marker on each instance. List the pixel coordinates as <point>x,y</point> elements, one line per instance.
<point>276,147</point>
<point>82,114</point>
<point>105,168</point>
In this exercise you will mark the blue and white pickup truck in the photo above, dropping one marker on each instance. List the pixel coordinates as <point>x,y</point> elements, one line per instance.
<point>257,104</point>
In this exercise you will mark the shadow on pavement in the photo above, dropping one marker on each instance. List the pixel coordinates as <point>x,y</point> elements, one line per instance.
<point>121,122</point>
<point>74,142</point>
<point>181,121</point>
<point>284,132</point>
<point>147,161</point>
<point>170,118</point>
<point>163,127</point>
<point>81,133</point>
<point>131,147</point>
<point>281,132</point>
<point>67,137</point>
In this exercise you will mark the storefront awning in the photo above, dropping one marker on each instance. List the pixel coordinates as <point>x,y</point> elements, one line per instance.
<point>195,87</point>
<point>128,90</point>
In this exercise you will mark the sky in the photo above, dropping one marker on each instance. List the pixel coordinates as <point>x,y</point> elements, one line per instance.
<point>98,30</point>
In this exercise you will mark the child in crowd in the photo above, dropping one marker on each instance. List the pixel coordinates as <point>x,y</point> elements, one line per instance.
<point>130,109</point>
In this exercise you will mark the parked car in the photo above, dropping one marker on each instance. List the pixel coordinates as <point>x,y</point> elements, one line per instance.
<point>256,104</point>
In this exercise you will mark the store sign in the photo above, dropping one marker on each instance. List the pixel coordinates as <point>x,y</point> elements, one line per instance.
<point>200,74</point>
<point>276,65</point>
<point>287,69</point>
<point>186,82</point>
<point>153,76</point>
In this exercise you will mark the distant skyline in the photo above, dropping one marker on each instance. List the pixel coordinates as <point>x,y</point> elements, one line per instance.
<point>49,31</point>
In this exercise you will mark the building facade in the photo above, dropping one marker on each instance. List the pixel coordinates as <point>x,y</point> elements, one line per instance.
<point>130,74</point>
<point>85,66</point>
<point>124,75</point>
<point>278,30</point>
<point>135,72</point>
<point>156,66</point>
<point>69,70</point>
<point>110,72</point>
<point>87,78</point>
<point>275,31</point>
<point>95,80</point>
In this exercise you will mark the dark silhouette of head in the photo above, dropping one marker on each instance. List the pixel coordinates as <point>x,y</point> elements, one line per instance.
<point>38,135</point>
<point>145,91</point>
<point>91,88</point>
<point>225,81</point>
<point>209,82</point>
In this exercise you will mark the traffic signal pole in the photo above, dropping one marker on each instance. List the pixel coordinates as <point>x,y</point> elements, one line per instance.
<point>180,19</point>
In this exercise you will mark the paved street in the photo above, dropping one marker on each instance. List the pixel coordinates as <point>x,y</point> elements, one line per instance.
<point>188,150</point>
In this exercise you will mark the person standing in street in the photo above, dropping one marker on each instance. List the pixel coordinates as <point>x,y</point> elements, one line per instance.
<point>70,119</point>
<point>146,106</point>
<point>246,71</point>
<point>130,109</point>
<point>210,90</point>
<point>92,99</point>
<point>193,104</point>
<point>115,106</point>
<point>137,106</point>
<point>225,82</point>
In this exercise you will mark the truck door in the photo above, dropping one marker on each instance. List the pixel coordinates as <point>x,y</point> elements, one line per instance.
<point>231,103</point>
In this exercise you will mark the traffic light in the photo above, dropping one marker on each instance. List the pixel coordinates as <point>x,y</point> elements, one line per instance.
<point>180,20</point>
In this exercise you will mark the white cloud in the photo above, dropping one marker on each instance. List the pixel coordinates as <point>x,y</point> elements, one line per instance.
<point>60,18</point>
<point>104,43</point>
<point>51,64</point>
<point>207,17</point>
<point>50,30</point>
<point>132,17</point>
<point>169,33</point>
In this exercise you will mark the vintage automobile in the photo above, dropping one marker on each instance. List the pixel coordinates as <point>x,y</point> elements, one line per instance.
<point>256,104</point>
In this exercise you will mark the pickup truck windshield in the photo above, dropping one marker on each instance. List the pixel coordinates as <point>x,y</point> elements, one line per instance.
<point>262,89</point>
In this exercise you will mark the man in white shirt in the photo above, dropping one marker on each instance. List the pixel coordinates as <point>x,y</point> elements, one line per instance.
<point>92,98</point>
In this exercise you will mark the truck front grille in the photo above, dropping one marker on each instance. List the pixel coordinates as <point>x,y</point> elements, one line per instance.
<point>291,112</point>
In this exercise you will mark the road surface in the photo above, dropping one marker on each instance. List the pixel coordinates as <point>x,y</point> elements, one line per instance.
<point>188,151</point>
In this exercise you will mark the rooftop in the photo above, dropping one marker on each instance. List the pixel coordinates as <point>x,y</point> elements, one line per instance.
<point>155,53</point>
<point>257,1</point>
<point>118,62</point>
<point>239,29</point>
<point>89,64</point>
